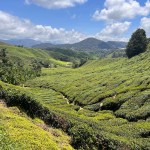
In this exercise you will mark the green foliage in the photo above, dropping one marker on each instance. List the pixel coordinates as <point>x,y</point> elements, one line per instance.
<point>15,72</point>
<point>83,137</point>
<point>137,43</point>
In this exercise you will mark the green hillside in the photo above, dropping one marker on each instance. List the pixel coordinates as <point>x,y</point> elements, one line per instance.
<point>53,56</point>
<point>19,64</point>
<point>105,104</point>
<point>27,54</point>
<point>17,131</point>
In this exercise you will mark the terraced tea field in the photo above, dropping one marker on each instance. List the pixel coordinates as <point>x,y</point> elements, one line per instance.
<point>119,85</point>
<point>104,104</point>
<point>17,131</point>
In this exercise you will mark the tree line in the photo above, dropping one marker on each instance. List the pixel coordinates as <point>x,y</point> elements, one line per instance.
<point>15,72</point>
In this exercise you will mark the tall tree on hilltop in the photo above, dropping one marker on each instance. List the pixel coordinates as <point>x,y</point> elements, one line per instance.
<point>137,43</point>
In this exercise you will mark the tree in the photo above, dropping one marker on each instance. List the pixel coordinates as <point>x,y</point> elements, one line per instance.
<point>3,57</point>
<point>137,43</point>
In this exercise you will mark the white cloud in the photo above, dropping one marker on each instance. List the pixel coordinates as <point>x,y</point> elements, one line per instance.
<point>114,31</point>
<point>12,27</point>
<point>121,9</point>
<point>50,4</point>
<point>145,24</point>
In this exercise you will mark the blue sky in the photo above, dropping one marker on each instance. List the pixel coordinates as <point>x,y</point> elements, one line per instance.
<point>69,21</point>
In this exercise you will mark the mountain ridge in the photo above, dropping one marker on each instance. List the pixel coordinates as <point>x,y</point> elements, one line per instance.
<point>88,45</point>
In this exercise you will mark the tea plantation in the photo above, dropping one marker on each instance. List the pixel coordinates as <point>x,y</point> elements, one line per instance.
<point>17,131</point>
<point>105,104</point>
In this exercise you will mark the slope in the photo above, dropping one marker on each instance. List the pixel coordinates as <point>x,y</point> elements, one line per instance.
<point>21,132</point>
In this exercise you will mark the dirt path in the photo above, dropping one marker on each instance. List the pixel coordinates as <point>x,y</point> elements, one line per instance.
<point>68,102</point>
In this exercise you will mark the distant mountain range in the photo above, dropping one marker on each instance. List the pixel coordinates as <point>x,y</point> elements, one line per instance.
<point>88,45</point>
<point>23,42</point>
